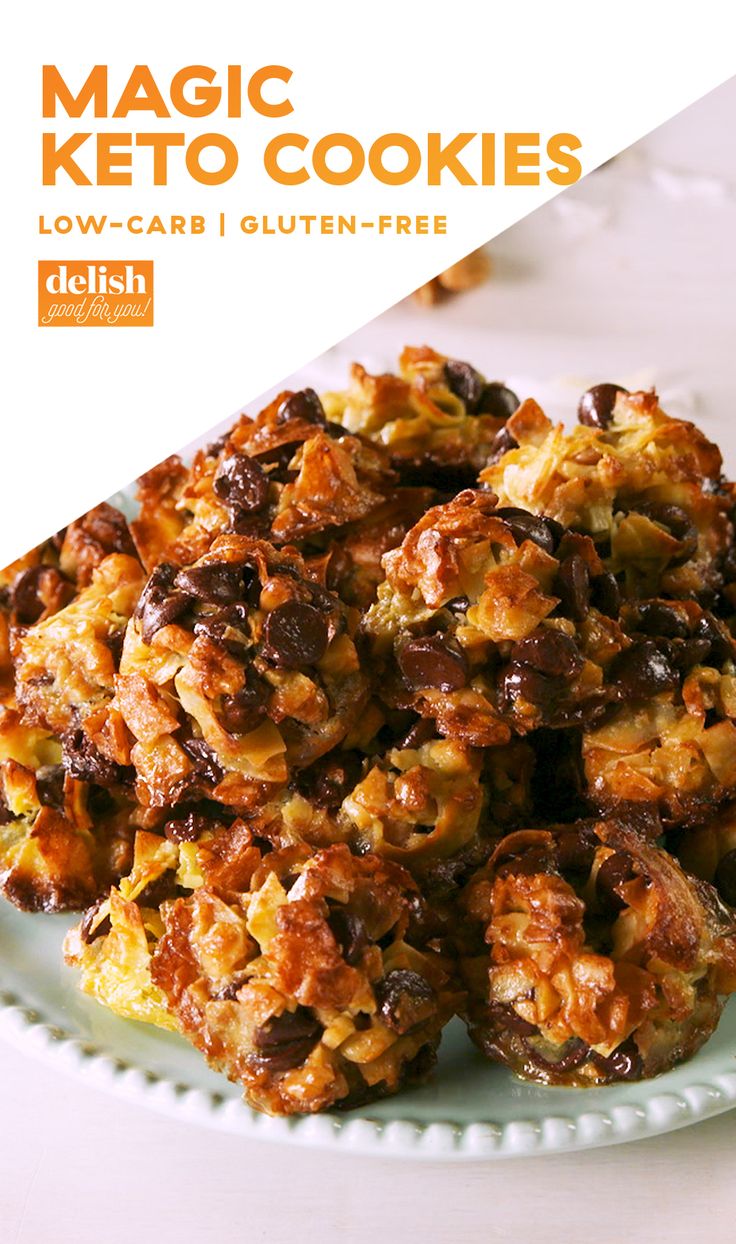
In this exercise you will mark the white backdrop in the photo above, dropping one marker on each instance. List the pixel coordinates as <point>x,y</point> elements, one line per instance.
<point>86,410</point>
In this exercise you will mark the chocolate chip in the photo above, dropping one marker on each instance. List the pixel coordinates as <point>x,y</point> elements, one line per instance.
<point>571,1055</point>
<point>550,652</point>
<point>327,782</point>
<point>458,604</point>
<point>465,382</point>
<point>279,460</point>
<point>576,850</point>
<point>546,532</point>
<point>188,829</point>
<point>721,645</point>
<point>349,932</point>
<point>420,1067</point>
<point>230,991</point>
<point>433,661</point>
<point>159,891</point>
<point>295,634</point>
<point>729,565</point>
<point>108,528</point>
<point>228,627</point>
<point>242,712</point>
<point>426,922</point>
<point>206,764</point>
<point>642,671</point>
<point>304,406</point>
<point>679,525</point>
<point>522,682</point>
<point>114,644</point>
<point>595,408</point>
<point>35,589</point>
<point>160,603</point>
<point>605,594</point>
<point>613,873</point>
<point>498,400</point>
<point>86,931</point>
<point>50,785</point>
<point>405,1000</point>
<point>657,618</point>
<point>215,448</point>
<point>506,1018</point>
<point>287,1040</point>
<point>100,802</point>
<point>500,445</point>
<point>572,585</point>
<point>216,582</point>
<point>725,878</point>
<point>242,483</point>
<point>83,760</point>
<point>424,729</point>
<point>688,653</point>
<point>624,1063</point>
<point>556,782</point>
<point>27,603</point>
<point>321,597</point>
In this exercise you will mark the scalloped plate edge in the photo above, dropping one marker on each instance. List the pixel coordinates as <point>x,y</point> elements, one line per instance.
<point>26,1030</point>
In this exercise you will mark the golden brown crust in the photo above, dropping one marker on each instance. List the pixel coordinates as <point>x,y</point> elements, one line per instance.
<point>438,418</point>
<point>486,623</point>
<point>62,841</point>
<point>646,485</point>
<point>232,692</point>
<point>159,521</point>
<point>280,981</point>
<point>606,960</point>
<point>288,476</point>
<point>339,668</point>
<point>66,663</point>
<point>289,992</point>
<point>90,539</point>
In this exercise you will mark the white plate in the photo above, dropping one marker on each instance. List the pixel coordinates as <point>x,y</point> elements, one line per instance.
<point>470,1110</point>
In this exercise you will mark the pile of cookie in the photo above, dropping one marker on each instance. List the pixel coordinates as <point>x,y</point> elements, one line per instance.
<point>394,704</point>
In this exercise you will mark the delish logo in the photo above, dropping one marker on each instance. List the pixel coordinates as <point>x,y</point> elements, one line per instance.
<point>104,293</point>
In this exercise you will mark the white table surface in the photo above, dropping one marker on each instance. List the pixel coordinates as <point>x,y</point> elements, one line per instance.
<point>629,276</point>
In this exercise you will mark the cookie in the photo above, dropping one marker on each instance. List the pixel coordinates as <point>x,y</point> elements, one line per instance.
<point>591,957</point>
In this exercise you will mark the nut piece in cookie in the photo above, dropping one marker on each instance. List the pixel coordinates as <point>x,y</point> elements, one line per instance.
<point>235,670</point>
<point>439,418</point>
<point>596,958</point>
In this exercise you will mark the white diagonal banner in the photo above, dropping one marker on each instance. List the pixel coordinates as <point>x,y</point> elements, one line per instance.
<point>456,121</point>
